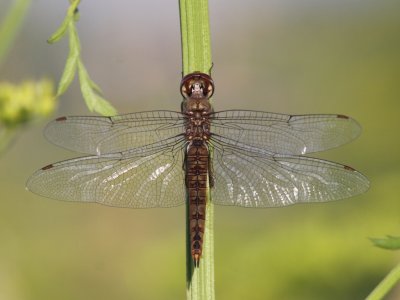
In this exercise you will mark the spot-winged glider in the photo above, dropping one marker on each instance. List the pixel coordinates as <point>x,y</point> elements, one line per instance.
<point>161,158</point>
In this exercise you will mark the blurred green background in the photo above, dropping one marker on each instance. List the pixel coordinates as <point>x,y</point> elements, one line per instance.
<point>292,56</point>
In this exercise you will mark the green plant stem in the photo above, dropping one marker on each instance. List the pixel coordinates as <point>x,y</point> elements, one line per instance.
<point>11,25</point>
<point>386,284</point>
<point>6,137</point>
<point>195,32</point>
<point>196,56</point>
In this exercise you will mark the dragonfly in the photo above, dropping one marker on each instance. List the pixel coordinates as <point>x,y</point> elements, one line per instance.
<point>164,158</point>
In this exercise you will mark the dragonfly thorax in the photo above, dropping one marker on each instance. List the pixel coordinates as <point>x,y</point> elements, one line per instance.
<point>197,125</point>
<point>196,107</point>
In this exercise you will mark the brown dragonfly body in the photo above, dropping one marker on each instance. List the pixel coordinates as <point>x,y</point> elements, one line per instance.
<point>197,88</point>
<point>242,158</point>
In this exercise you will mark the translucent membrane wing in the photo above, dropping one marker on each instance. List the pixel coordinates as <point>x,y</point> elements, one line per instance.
<point>284,134</point>
<point>254,178</point>
<point>99,135</point>
<point>151,176</point>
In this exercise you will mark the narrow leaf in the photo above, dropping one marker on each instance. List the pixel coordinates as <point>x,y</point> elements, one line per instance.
<point>68,74</point>
<point>72,61</point>
<point>93,100</point>
<point>69,18</point>
<point>103,107</point>
<point>74,43</point>
<point>390,242</point>
<point>95,87</point>
<point>60,32</point>
<point>86,89</point>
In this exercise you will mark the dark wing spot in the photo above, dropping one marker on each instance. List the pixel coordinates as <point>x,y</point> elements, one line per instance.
<point>47,167</point>
<point>348,168</point>
<point>61,119</point>
<point>343,117</point>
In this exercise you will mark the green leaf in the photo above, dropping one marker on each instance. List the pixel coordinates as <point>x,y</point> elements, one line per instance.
<point>93,100</point>
<point>71,63</point>
<point>103,107</point>
<point>94,86</point>
<point>91,92</point>
<point>74,43</point>
<point>390,242</point>
<point>71,17</point>
<point>68,74</point>
<point>60,32</point>
<point>86,89</point>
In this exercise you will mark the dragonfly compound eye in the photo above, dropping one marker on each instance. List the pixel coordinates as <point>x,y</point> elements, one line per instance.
<point>203,80</point>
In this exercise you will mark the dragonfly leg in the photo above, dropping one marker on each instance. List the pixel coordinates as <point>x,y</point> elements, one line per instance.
<point>184,170</point>
<point>210,173</point>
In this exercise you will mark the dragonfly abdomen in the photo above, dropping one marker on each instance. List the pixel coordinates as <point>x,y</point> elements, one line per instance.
<point>196,181</point>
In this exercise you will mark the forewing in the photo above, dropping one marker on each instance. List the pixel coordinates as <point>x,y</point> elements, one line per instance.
<point>284,134</point>
<point>252,178</point>
<point>100,135</point>
<point>147,177</point>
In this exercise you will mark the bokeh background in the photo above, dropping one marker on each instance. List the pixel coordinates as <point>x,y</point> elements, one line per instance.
<point>292,56</point>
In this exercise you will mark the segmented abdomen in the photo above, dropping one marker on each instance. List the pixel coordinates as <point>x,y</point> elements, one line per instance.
<point>196,182</point>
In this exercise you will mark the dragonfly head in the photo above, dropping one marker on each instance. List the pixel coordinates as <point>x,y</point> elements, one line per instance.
<point>197,85</point>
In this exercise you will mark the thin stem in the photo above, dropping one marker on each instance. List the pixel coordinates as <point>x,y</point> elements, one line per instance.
<point>195,32</point>
<point>11,25</point>
<point>196,56</point>
<point>6,137</point>
<point>386,284</point>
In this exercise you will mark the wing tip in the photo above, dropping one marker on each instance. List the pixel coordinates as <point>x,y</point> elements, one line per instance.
<point>355,127</point>
<point>364,184</point>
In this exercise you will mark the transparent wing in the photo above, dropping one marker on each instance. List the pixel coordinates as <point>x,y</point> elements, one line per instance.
<point>284,134</point>
<point>250,177</point>
<point>99,135</point>
<point>150,176</point>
